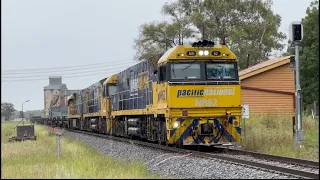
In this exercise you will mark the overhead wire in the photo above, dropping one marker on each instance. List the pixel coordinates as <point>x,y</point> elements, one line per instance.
<point>44,70</point>
<point>45,79</point>
<point>20,79</point>
<point>76,73</point>
<point>79,74</point>
<point>63,67</point>
<point>108,73</point>
<point>59,73</point>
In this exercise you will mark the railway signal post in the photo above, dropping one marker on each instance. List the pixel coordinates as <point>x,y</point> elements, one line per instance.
<point>296,36</point>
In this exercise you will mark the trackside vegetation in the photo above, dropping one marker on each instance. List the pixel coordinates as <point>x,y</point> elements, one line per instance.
<point>37,159</point>
<point>273,134</point>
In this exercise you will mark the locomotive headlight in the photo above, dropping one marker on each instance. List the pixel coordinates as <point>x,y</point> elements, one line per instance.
<point>205,53</point>
<point>175,125</point>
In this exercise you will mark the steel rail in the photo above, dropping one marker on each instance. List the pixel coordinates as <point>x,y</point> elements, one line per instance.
<point>208,155</point>
<point>277,158</point>
<point>265,166</point>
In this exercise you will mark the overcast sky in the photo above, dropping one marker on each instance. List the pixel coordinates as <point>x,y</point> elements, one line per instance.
<point>55,33</point>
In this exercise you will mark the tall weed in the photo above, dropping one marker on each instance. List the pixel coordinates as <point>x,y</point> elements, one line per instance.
<point>273,134</point>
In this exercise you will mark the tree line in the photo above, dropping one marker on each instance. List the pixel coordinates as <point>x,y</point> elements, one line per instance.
<point>8,112</point>
<point>310,56</point>
<point>248,27</point>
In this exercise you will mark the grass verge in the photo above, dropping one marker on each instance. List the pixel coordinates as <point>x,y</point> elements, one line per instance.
<point>273,134</point>
<point>37,159</point>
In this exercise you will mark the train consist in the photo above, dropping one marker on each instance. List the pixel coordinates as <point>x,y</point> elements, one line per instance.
<point>188,96</point>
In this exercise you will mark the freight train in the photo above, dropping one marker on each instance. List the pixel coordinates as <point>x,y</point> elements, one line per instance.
<point>190,95</point>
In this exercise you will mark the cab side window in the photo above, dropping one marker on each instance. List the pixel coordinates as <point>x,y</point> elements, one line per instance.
<point>112,90</point>
<point>104,93</point>
<point>163,73</point>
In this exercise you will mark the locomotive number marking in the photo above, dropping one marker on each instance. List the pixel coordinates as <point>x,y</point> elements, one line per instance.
<point>212,102</point>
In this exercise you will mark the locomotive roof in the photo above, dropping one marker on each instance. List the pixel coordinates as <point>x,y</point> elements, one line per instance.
<point>111,79</point>
<point>180,53</point>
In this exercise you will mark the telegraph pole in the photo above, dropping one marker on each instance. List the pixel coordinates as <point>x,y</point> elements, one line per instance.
<point>22,116</point>
<point>296,36</point>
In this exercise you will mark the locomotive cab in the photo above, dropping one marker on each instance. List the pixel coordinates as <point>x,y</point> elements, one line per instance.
<point>200,88</point>
<point>109,90</point>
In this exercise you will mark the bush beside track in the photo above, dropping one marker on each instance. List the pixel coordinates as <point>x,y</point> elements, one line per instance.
<point>37,159</point>
<point>273,134</point>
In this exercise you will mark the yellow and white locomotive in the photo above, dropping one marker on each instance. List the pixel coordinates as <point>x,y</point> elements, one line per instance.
<point>189,96</point>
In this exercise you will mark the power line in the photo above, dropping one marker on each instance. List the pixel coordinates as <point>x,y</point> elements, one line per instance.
<point>65,67</point>
<point>54,70</point>
<point>113,71</point>
<point>26,77</point>
<point>45,79</point>
<point>65,77</point>
<point>37,74</point>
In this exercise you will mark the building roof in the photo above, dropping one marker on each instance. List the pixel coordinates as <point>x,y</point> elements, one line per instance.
<point>56,77</point>
<point>264,66</point>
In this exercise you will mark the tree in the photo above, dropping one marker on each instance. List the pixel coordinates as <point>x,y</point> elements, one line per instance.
<point>309,63</point>
<point>154,39</point>
<point>290,49</point>
<point>7,110</point>
<point>157,37</point>
<point>256,35</point>
<point>250,26</point>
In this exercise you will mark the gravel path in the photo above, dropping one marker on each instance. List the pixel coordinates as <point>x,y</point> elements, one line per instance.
<point>175,165</point>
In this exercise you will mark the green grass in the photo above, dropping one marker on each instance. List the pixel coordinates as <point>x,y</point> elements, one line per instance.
<point>273,134</point>
<point>37,159</point>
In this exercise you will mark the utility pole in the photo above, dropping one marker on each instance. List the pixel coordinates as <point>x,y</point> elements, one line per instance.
<point>22,108</point>
<point>296,35</point>
<point>299,130</point>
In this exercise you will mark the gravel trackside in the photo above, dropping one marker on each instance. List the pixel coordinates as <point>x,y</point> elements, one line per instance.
<point>173,165</point>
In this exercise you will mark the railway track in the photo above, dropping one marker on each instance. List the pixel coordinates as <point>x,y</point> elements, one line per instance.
<point>266,166</point>
<point>232,155</point>
<point>288,160</point>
